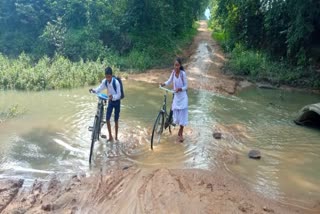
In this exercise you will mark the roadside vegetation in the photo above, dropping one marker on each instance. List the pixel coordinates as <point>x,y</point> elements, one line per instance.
<point>12,112</point>
<point>67,43</point>
<point>271,41</point>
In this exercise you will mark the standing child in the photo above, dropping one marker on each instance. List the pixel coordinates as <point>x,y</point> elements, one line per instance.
<point>114,94</point>
<point>180,100</point>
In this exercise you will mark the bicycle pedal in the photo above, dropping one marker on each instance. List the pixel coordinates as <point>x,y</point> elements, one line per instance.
<point>173,124</point>
<point>103,136</point>
<point>90,128</point>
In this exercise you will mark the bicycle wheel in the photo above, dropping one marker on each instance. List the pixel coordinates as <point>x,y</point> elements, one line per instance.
<point>94,136</point>
<point>157,129</point>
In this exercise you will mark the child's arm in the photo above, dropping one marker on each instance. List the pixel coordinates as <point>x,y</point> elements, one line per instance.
<point>101,86</point>
<point>169,81</point>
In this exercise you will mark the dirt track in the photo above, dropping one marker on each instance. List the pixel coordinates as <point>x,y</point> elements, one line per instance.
<point>161,190</point>
<point>204,60</point>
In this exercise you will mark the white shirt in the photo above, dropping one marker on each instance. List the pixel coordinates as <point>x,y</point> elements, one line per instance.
<point>116,95</point>
<point>180,100</point>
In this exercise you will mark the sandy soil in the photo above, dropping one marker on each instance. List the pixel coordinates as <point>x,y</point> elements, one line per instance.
<point>141,191</point>
<point>134,190</point>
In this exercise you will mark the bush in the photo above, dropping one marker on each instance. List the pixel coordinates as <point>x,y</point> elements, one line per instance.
<point>245,62</point>
<point>140,60</point>
<point>47,74</point>
<point>258,66</point>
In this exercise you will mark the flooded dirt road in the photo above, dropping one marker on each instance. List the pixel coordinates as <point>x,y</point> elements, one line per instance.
<point>169,186</point>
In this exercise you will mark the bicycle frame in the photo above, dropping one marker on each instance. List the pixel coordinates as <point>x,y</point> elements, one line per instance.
<point>164,106</point>
<point>99,114</point>
<point>98,122</point>
<point>158,126</point>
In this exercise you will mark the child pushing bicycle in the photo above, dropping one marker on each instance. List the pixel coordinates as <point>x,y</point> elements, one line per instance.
<point>178,78</point>
<point>114,93</point>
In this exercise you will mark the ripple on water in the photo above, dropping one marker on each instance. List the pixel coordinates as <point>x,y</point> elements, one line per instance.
<point>54,136</point>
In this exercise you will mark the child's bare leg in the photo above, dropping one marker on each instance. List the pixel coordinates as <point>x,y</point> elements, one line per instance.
<point>181,133</point>
<point>116,128</point>
<point>109,130</point>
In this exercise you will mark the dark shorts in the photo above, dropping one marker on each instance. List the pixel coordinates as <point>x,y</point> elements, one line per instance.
<point>116,106</point>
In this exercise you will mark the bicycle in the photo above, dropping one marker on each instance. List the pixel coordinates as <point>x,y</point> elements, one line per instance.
<point>162,116</point>
<point>98,122</point>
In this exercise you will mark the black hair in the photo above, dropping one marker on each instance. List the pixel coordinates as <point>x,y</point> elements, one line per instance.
<point>179,61</point>
<point>108,71</point>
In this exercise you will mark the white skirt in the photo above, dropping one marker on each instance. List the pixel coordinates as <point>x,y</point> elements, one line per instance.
<point>180,116</point>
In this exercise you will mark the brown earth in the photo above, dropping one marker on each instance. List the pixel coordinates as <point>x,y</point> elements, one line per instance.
<point>160,190</point>
<point>142,191</point>
<point>203,62</point>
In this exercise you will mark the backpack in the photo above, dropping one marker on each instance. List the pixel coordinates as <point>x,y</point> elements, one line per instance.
<point>115,86</point>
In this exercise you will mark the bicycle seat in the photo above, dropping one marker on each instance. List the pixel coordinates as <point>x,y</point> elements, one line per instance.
<point>102,96</point>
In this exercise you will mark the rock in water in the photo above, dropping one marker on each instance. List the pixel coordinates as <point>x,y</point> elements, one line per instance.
<point>254,154</point>
<point>217,135</point>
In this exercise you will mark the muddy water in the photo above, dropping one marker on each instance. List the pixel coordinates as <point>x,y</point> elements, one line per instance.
<point>290,153</point>
<point>52,136</point>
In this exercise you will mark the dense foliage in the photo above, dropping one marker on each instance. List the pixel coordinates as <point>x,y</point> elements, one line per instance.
<point>90,29</point>
<point>273,40</point>
<point>289,29</point>
<point>50,44</point>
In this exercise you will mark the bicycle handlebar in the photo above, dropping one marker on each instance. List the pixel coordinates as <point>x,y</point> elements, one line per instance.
<point>100,95</point>
<point>168,90</point>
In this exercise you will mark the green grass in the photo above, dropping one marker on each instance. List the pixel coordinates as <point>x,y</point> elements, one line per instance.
<point>219,36</point>
<point>257,66</point>
<point>48,74</point>
<point>223,39</point>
